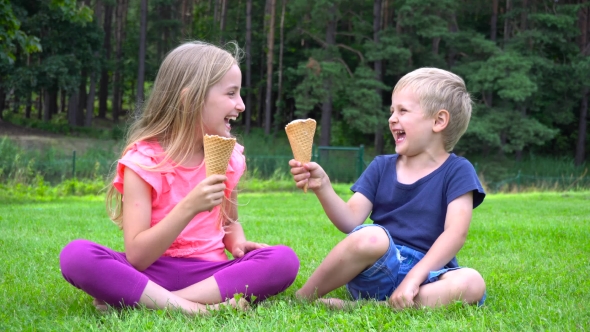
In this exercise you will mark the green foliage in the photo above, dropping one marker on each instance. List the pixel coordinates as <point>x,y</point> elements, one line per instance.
<point>11,36</point>
<point>527,84</point>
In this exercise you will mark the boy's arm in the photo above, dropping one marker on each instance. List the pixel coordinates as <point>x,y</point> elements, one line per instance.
<point>344,215</point>
<point>446,246</point>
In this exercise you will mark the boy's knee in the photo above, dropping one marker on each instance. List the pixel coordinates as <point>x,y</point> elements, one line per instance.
<point>369,241</point>
<point>471,283</point>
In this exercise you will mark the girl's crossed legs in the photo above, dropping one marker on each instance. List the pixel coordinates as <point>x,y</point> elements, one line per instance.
<point>191,285</point>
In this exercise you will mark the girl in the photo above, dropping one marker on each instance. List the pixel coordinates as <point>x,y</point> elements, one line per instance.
<point>175,227</point>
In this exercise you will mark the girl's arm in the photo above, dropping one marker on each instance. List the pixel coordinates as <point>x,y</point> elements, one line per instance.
<point>446,246</point>
<point>344,215</point>
<point>235,239</point>
<point>145,244</point>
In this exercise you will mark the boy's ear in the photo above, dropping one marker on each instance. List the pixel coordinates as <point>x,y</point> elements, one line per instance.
<point>441,120</point>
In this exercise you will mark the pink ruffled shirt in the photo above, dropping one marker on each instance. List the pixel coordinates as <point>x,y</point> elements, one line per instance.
<point>202,238</point>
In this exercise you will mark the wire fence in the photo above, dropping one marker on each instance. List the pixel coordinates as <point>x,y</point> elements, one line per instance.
<point>526,182</point>
<point>343,164</point>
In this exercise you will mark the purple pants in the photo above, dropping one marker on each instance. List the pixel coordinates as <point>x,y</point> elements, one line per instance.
<point>107,275</point>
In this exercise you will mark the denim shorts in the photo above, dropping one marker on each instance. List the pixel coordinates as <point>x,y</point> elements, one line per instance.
<point>380,280</point>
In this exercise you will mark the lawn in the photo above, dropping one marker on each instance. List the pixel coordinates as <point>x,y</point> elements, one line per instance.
<point>532,249</point>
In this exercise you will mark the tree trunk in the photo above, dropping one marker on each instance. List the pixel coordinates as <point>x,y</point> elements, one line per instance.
<point>269,62</point>
<point>238,24</point>
<point>326,121</point>
<point>73,107</point>
<point>453,28</point>
<point>90,101</point>
<point>523,16</point>
<point>2,101</point>
<point>507,26</point>
<point>40,104</point>
<point>378,68</point>
<point>89,115</point>
<point>15,104</point>
<point>62,103</point>
<point>82,96</point>
<point>103,90</point>
<point>187,18</point>
<point>29,106</point>
<point>582,128</point>
<point>435,43</point>
<point>494,20</point>
<point>222,20</point>
<point>141,60</point>
<point>216,11</point>
<point>584,45</point>
<point>118,81</point>
<point>248,66</point>
<point>280,103</point>
<point>489,95</point>
<point>50,101</point>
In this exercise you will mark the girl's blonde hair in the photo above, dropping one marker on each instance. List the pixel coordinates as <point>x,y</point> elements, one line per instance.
<point>439,89</point>
<point>172,114</point>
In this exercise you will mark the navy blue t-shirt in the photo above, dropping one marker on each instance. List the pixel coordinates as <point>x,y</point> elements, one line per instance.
<point>414,214</point>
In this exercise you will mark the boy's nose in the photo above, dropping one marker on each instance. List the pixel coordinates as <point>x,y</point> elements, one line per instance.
<point>393,118</point>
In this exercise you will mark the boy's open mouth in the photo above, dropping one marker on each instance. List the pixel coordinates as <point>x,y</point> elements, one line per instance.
<point>399,136</point>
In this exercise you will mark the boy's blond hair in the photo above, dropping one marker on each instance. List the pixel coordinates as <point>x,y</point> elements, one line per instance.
<point>172,114</point>
<point>440,89</point>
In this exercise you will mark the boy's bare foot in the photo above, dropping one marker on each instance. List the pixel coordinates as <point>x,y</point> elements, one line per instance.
<point>333,303</point>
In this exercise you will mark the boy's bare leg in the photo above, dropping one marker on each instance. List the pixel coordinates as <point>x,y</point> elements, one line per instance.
<point>465,284</point>
<point>348,259</point>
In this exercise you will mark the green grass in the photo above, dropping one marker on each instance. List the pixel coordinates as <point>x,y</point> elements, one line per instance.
<point>532,249</point>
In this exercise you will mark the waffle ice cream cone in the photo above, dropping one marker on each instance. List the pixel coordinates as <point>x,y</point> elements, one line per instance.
<point>300,134</point>
<point>217,153</point>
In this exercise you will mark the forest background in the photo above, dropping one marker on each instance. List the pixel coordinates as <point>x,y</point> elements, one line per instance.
<point>82,67</point>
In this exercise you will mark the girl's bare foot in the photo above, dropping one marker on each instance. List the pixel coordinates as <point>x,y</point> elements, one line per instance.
<point>241,305</point>
<point>100,305</point>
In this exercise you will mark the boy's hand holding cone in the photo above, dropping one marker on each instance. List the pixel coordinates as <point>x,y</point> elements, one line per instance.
<point>300,134</point>
<point>217,153</point>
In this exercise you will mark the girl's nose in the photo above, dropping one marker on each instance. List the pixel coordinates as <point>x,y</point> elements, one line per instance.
<point>241,106</point>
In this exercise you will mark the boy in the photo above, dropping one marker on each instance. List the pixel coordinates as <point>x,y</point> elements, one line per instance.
<point>420,200</point>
